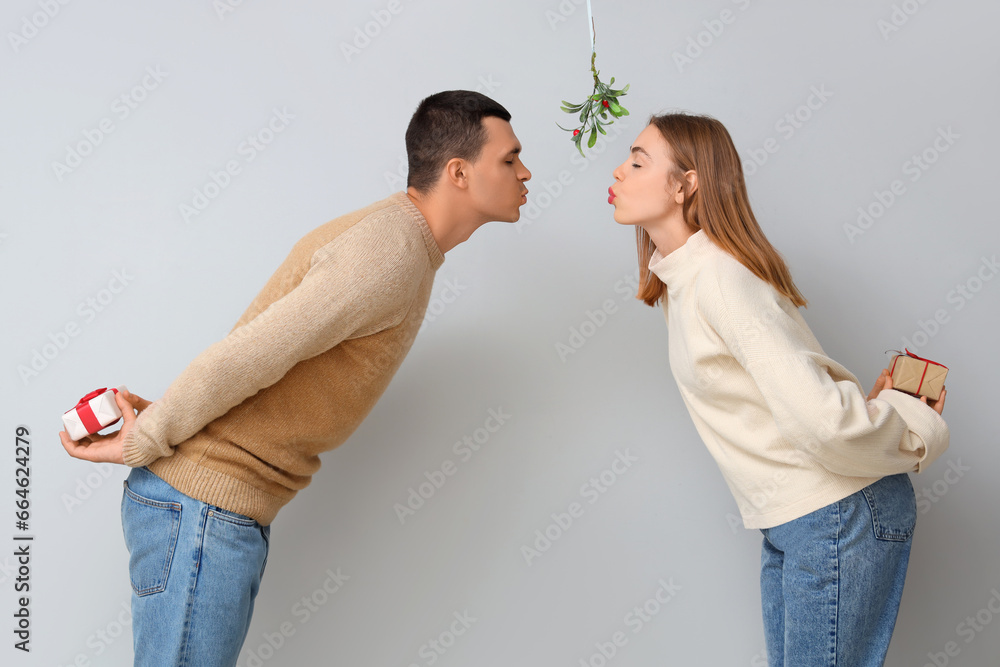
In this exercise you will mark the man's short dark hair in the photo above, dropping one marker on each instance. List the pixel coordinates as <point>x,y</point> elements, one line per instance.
<point>446,125</point>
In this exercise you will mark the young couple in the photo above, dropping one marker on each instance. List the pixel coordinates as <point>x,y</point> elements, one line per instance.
<point>813,463</point>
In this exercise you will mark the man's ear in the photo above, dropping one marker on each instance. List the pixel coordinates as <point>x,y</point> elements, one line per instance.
<point>455,172</point>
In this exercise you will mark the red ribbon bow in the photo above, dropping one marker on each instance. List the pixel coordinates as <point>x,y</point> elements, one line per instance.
<point>87,413</point>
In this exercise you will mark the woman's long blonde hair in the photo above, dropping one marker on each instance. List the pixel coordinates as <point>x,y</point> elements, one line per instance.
<point>719,205</point>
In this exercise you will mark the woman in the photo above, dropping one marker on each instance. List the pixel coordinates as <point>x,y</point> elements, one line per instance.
<point>815,465</point>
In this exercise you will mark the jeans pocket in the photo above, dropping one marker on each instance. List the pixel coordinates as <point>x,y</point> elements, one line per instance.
<point>231,517</point>
<point>151,528</point>
<point>238,534</point>
<point>894,507</point>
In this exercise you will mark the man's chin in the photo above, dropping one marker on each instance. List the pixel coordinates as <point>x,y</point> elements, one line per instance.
<point>509,217</point>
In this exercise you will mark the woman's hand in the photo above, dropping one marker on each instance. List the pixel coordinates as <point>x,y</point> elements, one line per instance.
<point>884,381</point>
<point>107,448</point>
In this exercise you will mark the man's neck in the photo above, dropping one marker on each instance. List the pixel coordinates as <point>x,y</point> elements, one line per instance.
<point>447,228</point>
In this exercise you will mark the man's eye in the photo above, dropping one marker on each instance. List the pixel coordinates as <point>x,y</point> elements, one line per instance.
<point>510,162</point>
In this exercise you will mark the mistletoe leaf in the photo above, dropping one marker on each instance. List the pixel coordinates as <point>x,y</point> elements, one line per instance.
<point>593,139</point>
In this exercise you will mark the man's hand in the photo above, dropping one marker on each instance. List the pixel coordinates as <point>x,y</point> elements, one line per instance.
<point>884,381</point>
<point>107,448</point>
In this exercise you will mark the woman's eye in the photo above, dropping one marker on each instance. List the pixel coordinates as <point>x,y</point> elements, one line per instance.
<point>634,164</point>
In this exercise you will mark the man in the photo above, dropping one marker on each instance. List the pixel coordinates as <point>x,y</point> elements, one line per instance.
<point>240,431</point>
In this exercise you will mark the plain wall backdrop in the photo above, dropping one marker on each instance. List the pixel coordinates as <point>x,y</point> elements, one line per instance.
<point>868,132</point>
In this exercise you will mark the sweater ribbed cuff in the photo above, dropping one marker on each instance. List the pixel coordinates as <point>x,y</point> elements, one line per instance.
<point>132,454</point>
<point>923,420</point>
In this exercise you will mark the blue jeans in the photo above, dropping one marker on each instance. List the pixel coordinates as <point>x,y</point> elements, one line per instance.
<point>830,581</point>
<point>195,571</point>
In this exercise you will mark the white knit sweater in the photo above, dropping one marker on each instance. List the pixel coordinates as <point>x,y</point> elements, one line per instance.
<point>790,428</point>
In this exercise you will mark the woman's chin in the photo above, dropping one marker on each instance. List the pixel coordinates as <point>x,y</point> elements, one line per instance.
<point>620,221</point>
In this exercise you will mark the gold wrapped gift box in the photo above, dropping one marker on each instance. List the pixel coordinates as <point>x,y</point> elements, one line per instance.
<point>918,376</point>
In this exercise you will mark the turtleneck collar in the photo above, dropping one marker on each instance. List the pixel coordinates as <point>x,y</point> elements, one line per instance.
<point>433,249</point>
<point>672,268</point>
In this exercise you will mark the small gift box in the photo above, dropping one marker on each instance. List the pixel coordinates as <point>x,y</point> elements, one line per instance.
<point>918,376</point>
<point>94,411</point>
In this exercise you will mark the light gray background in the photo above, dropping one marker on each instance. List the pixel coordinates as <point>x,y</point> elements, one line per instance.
<point>521,288</point>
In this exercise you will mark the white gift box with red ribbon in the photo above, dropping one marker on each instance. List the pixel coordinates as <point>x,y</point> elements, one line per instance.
<point>95,411</point>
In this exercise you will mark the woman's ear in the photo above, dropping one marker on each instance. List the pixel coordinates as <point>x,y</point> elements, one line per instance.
<point>685,187</point>
<point>691,179</point>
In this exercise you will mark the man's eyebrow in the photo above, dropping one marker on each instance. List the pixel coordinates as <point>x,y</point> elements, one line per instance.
<point>639,149</point>
<point>514,151</point>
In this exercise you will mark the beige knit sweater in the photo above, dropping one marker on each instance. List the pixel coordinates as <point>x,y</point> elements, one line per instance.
<point>790,428</point>
<point>243,425</point>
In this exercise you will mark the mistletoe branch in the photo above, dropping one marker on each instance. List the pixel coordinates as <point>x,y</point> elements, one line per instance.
<point>602,101</point>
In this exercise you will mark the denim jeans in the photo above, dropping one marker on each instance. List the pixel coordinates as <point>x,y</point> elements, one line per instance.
<point>195,570</point>
<point>830,581</point>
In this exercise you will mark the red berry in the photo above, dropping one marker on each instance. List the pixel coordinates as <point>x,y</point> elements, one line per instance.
<point>605,103</point>
<point>576,132</point>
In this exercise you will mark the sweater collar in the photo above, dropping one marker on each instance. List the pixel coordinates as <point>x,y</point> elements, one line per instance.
<point>433,250</point>
<point>673,267</point>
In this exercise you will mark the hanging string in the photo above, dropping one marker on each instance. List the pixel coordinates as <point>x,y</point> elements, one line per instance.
<point>590,16</point>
